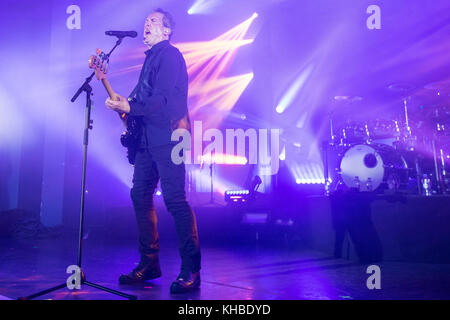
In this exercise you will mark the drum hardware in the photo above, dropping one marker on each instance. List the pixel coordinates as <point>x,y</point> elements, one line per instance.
<point>351,131</point>
<point>433,144</point>
<point>418,173</point>
<point>405,90</point>
<point>367,131</point>
<point>331,131</point>
<point>405,110</point>
<point>370,166</point>
<point>444,175</point>
<point>357,183</point>
<point>398,149</point>
<point>369,186</point>
<point>440,127</point>
<point>366,168</point>
<point>442,179</point>
<point>426,184</point>
<point>445,164</point>
<point>325,145</point>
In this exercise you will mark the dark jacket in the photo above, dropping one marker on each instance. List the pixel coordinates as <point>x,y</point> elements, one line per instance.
<point>161,94</point>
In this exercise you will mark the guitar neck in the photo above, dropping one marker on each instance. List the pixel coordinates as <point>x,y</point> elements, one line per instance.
<point>113,96</point>
<point>108,88</point>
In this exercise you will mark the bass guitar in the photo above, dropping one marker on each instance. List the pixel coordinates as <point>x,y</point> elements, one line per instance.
<point>131,137</point>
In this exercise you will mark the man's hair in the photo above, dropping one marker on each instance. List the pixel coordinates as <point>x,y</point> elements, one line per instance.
<point>168,21</point>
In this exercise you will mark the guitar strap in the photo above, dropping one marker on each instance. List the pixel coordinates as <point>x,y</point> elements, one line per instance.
<point>132,94</point>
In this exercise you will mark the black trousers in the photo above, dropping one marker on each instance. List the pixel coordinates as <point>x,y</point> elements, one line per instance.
<point>151,165</point>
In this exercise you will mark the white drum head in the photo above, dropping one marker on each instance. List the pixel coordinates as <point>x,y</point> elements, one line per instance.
<point>364,162</point>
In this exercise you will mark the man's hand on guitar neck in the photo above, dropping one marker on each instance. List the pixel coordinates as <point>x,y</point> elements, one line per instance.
<point>120,105</point>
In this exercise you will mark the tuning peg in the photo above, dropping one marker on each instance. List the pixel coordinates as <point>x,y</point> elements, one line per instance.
<point>101,54</point>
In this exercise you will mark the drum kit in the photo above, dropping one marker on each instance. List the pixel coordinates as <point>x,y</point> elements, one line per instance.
<point>407,153</point>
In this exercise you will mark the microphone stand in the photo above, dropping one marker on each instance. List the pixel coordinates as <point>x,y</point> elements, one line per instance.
<point>212,164</point>
<point>85,87</point>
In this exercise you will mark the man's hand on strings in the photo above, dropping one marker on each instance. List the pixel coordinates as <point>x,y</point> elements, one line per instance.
<point>120,105</point>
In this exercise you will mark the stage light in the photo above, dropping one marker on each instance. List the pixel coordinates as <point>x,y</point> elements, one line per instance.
<point>283,154</point>
<point>223,93</point>
<point>294,90</point>
<point>222,158</point>
<point>244,195</point>
<point>207,63</point>
<point>311,181</point>
<point>236,192</point>
<point>279,109</point>
<point>237,196</point>
<point>202,6</point>
<point>308,173</point>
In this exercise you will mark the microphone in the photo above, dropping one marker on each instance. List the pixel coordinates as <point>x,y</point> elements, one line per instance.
<point>122,34</point>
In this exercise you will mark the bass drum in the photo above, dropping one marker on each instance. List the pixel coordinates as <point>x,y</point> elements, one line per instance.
<point>374,167</point>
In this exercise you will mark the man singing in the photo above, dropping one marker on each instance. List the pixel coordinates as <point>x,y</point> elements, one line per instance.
<point>160,101</point>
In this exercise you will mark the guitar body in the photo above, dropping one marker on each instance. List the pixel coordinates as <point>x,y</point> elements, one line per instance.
<point>131,137</point>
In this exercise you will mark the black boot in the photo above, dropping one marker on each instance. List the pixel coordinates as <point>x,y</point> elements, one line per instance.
<point>186,282</point>
<point>141,273</point>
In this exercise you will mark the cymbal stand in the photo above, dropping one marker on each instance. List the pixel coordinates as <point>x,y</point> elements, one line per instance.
<point>436,168</point>
<point>405,105</point>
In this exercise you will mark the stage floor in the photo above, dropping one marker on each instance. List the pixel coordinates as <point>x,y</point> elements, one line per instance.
<point>231,273</point>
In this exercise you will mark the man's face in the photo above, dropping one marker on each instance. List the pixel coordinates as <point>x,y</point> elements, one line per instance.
<point>154,30</point>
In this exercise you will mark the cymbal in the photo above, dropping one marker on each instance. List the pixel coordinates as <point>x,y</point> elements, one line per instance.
<point>401,87</point>
<point>442,87</point>
<point>348,98</point>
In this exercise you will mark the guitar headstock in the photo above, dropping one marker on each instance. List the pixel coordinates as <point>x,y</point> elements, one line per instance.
<point>99,66</point>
